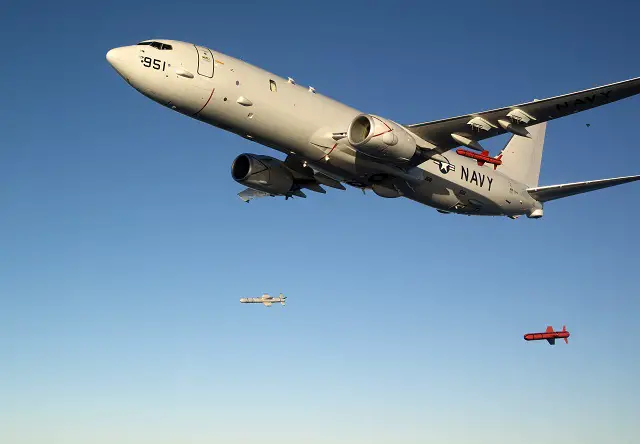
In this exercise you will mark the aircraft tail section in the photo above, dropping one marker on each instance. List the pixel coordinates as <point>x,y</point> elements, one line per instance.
<point>552,192</point>
<point>522,156</point>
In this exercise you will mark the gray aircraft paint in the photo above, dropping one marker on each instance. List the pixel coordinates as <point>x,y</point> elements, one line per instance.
<point>296,120</point>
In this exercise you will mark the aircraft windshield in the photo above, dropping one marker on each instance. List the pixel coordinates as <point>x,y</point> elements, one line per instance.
<point>157,45</point>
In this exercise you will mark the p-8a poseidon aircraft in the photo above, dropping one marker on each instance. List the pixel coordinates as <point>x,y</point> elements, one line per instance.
<point>329,143</point>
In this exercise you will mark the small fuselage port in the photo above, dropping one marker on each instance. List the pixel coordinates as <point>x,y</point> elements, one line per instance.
<point>241,167</point>
<point>360,129</point>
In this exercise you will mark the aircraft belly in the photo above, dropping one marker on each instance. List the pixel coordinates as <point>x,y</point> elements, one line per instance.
<point>435,195</point>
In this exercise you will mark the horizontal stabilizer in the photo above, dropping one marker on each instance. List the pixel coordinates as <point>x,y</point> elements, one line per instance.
<point>552,192</point>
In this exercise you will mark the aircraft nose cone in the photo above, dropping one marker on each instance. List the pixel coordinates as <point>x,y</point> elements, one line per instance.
<point>114,55</point>
<point>116,58</point>
<point>119,59</point>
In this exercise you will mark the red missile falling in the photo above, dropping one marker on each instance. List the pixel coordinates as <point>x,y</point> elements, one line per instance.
<point>549,335</point>
<point>481,158</point>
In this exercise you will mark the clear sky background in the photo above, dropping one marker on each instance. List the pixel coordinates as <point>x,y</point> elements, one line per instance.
<point>124,248</point>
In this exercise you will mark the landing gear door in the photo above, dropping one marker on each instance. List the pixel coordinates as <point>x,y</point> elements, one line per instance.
<point>205,62</point>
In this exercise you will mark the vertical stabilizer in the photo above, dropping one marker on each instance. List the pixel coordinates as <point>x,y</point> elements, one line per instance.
<point>522,156</point>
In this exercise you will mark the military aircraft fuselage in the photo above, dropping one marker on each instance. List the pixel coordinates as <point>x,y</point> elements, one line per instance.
<point>233,95</point>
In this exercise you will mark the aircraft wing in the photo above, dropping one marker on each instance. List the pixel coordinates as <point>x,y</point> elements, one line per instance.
<point>482,125</point>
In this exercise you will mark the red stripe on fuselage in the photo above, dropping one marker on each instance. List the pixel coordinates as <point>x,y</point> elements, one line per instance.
<point>207,102</point>
<point>330,151</point>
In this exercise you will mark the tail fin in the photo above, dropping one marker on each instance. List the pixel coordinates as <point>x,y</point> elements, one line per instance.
<point>522,156</point>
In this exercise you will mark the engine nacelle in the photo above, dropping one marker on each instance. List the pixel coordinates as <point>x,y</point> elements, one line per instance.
<point>262,173</point>
<point>380,138</point>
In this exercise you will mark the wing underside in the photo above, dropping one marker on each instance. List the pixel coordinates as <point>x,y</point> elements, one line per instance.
<point>468,129</point>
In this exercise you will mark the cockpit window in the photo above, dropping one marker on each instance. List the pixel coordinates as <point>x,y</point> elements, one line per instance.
<point>157,45</point>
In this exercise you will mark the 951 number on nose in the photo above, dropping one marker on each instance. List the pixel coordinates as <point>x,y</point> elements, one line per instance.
<point>153,63</point>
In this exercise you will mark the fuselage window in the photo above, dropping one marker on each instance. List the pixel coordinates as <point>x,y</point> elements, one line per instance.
<point>273,86</point>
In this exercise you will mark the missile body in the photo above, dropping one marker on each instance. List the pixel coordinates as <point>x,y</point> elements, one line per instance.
<point>265,299</point>
<point>549,335</point>
<point>251,300</point>
<point>481,158</point>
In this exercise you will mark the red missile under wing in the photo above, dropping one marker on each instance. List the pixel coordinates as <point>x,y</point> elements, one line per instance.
<point>549,335</point>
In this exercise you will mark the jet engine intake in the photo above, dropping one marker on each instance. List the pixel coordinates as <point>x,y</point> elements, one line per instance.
<point>262,173</point>
<point>380,138</point>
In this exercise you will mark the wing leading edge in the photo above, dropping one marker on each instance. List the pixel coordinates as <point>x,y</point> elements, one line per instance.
<point>465,130</point>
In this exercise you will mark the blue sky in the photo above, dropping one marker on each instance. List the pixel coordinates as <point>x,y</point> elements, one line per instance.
<point>124,248</point>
